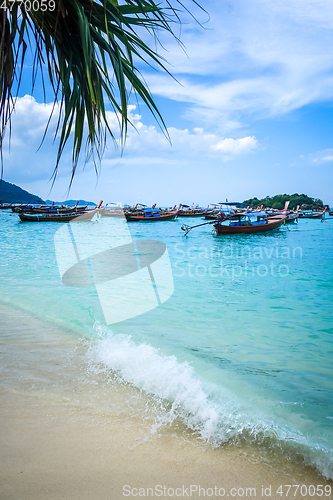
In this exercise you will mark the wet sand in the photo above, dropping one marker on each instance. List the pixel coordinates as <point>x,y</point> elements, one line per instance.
<point>66,435</point>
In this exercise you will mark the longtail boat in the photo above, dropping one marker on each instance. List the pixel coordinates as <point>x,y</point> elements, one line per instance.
<point>215,215</point>
<point>211,210</point>
<point>150,215</point>
<point>45,217</point>
<point>225,209</point>
<point>251,222</point>
<point>52,209</point>
<point>312,215</point>
<point>56,209</point>
<point>219,213</point>
<point>186,211</point>
<point>27,207</point>
<point>290,217</point>
<point>196,213</point>
<point>242,224</point>
<point>57,217</point>
<point>5,206</point>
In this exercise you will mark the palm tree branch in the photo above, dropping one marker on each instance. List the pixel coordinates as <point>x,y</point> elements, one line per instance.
<point>88,48</point>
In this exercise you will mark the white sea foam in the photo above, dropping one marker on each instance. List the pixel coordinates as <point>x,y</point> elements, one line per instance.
<point>161,376</point>
<point>213,413</point>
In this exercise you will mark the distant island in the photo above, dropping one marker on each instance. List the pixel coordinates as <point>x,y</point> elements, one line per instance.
<point>10,193</point>
<point>277,202</point>
<point>71,202</point>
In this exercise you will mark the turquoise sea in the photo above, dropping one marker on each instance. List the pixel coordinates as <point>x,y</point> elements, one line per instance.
<point>242,350</point>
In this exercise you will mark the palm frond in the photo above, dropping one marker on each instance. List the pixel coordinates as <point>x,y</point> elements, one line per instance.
<point>89,48</point>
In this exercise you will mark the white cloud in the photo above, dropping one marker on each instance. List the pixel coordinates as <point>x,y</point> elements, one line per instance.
<point>146,141</point>
<point>320,157</point>
<point>237,146</point>
<point>21,160</point>
<point>257,57</point>
<point>145,144</point>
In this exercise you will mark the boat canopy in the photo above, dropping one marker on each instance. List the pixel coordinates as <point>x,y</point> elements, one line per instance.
<point>233,204</point>
<point>253,214</point>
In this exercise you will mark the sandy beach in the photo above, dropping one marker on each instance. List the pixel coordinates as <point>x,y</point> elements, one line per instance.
<point>67,436</point>
<point>166,237</point>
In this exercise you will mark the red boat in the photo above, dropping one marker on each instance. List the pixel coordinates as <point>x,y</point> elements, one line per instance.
<point>150,216</point>
<point>242,224</point>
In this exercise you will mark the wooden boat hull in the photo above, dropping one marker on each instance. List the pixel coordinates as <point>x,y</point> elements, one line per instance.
<point>87,216</point>
<point>290,218</point>
<point>47,211</point>
<point>189,214</point>
<point>31,208</point>
<point>249,228</point>
<point>154,218</point>
<point>311,216</point>
<point>211,216</point>
<point>318,215</point>
<point>52,210</point>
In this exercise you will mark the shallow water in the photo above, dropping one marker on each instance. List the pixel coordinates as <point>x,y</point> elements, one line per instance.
<point>242,349</point>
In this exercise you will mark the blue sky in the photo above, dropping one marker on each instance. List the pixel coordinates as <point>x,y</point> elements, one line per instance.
<point>251,114</point>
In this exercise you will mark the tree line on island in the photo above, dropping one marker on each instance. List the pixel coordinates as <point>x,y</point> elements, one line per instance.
<point>278,201</point>
<point>10,193</point>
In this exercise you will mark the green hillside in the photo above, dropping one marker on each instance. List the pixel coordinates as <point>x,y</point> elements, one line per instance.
<point>10,193</point>
<point>277,202</point>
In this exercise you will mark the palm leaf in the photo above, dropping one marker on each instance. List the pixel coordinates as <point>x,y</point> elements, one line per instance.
<point>89,48</point>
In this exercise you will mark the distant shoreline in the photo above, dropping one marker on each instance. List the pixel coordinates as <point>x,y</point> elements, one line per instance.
<point>11,193</point>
